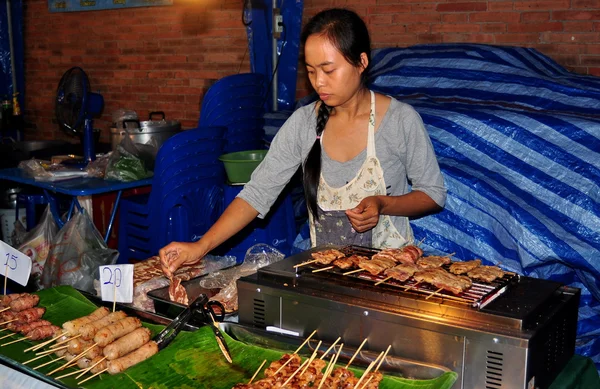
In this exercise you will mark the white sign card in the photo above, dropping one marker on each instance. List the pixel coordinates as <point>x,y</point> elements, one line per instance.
<point>15,264</point>
<point>117,283</point>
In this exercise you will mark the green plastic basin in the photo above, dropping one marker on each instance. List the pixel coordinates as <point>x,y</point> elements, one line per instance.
<point>240,165</point>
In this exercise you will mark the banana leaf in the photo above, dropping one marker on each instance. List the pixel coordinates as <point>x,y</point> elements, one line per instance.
<point>192,360</point>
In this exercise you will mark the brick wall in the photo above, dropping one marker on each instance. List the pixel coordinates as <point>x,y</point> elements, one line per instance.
<point>165,58</point>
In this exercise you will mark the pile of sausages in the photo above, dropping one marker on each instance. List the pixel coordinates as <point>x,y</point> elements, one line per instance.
<point>25,317</point>
<point>115,339</point>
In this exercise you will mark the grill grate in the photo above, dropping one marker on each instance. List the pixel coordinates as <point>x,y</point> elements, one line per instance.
<point>478,295</point>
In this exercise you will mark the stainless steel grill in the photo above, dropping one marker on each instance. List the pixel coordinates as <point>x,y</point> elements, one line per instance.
<point>526,326</point>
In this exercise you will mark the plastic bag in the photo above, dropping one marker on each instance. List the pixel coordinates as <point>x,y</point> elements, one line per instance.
<point>42,170</point>
<point>131,161</point>
<point>257,256</point>
<point>97,167</point>
<point>36,243</point>
<point>120,115</point>
<point>18,234</point>
<point>75,255</point>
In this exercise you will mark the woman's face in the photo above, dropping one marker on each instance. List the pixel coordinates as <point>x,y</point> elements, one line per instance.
<point>333,78</point>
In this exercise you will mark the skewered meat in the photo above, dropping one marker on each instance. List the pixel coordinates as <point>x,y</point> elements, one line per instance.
<point>141,354</point>
<point>325,257</point>
<point>376,266</point>
<point>27,316</point>
<point>464,267</point>
<point>402,272</point>
<point>73,326</point>
<point>486,273</point>
<point>111,332</point>
<point>349,262</point>
<point>5,300</point>
<point>94,352</point>
<point>77,345</point>
<point>440,278</point>
<point>87,331</point>
<point>177,292</point>
<point>127,343</point>
<point>432,261</point>
<point>23,327</point>
<point>100,366</point>
<point>43,332</point>
<point>83,363</point>
<point>406,254</point>
<point>24,302</point>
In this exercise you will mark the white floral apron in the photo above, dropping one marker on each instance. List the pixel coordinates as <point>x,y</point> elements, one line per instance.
<point>333,226</point>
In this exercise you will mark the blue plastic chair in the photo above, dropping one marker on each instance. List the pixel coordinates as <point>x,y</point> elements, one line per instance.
<point>186,197</point>
<point>237,103</point>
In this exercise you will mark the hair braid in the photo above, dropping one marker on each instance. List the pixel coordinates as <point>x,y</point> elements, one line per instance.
<point>312,166</point>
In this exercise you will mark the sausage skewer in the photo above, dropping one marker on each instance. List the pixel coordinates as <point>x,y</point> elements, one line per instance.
<point>95,362</point>
<point>141,354</point>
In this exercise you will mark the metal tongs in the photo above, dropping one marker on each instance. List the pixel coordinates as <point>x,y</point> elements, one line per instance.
<point>204,311</point>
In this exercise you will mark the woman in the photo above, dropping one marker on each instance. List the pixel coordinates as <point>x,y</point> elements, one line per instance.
<point>359,150</point>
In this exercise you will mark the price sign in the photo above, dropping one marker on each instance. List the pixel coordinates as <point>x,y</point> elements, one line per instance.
<point>15,264</point>
<point>117,283</point>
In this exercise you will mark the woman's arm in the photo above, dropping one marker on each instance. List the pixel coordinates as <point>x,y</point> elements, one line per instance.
<point>236,216</point>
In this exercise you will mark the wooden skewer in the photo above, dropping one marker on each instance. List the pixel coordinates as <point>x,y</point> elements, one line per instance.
<point>331,366</point>
<point>324,377</point>
<point>52,350</point>
<point>284,365</point>
<point>305,341</point>
<point>72,361</point>
<point>362,377</point>
<point>411,286</point>
<point>8,321</point>
<point>323,269</point>
<point>49,362</point>
<point>330,347</point>
<point>434,292</point>
<point>4,309</point>
<point>91,367</point>
<point>384,355</point>
<point>65,341</point>
<point>352,271</point>
<point>382,281</point>
<point>257,371</point>
<point>92,376</point>
<point>312,357</point>
<point>8,336</point>
<point>356,352</point>
<point>295,372</point>
<point>35,359</point>
<point>15,341</point>
<point>39,346</point>
<point>304,263</point>
<point>68,374</point>
<point>421,242</point>
<point>4,329</point>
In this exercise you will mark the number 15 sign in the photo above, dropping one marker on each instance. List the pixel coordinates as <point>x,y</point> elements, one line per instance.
<point>15,265</point>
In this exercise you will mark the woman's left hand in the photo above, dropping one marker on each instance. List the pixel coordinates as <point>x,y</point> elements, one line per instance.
<point>365,215</point>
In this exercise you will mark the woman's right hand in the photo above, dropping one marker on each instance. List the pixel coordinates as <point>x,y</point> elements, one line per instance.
<point>176,254</point>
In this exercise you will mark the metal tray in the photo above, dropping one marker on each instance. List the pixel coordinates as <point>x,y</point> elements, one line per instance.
<point>164,306</point>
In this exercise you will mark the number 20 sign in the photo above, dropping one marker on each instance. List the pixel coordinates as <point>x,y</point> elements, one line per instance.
<point>14,264</point>
<point>117,283</point>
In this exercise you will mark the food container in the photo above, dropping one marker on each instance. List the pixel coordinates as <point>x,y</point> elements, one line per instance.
<point>143,131</point>
<point>240,165</point>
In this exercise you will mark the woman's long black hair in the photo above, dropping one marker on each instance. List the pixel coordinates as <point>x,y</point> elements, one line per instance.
<point>348,33</point>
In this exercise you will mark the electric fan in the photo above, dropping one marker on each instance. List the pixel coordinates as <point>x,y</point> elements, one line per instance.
<point>76,107</point>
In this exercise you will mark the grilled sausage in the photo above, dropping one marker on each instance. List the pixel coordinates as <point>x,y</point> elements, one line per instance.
<point>108,334</point>
<point>100,366</point>
<point>141,354</point>
<point>76,346</point>
<point>30,314</point>
<point>73,326</point>
<point>5,300</point>
<point>22,327</point>
<point>24,302</point>
<point>127,343</point>
<point>88,330</point>
<point>83,363</point>
<point>43,332</point>
<point>94,352</point>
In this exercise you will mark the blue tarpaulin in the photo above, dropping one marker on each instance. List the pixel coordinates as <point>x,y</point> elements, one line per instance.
<point>518,140</point>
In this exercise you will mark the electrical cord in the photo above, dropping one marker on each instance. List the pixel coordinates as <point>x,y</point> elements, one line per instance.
<point>277,63</point>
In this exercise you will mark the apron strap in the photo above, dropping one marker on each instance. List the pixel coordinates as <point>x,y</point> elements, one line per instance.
<point>371,132</point>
